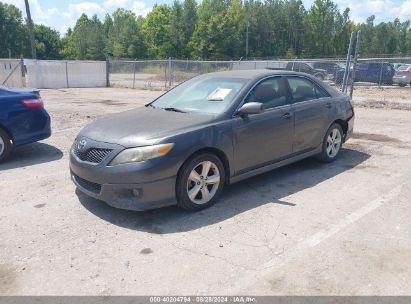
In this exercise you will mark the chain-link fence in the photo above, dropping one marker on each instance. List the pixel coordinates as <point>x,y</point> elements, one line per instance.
<point>160,74</point>
<point>163,74</point>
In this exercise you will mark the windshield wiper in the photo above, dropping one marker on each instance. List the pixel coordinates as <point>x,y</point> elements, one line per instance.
<point>150,105</point>
<point>174,110</point>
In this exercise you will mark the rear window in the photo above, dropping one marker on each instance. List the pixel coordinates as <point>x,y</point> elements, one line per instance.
<point>404,67</point>
<point>303,89</point>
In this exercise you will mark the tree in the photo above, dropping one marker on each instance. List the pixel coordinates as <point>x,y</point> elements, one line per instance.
<point>48,42</point>
<point>157,31</point>
<point>13,33</point>
<point>188,20</point>
<point>321,22</point>
<point>125,38</point>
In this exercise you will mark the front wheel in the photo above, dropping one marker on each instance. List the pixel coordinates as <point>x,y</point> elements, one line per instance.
<point>332,143</point>
<point>5,145</point>
<point>200,182</point>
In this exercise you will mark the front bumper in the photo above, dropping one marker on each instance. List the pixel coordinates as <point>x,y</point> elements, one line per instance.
<point>135,186</point>
<point>138,197</point>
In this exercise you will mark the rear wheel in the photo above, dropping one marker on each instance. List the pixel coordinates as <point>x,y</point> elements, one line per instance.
<point>332,143</point>
<point>200,182</point>
<point>5,145</point>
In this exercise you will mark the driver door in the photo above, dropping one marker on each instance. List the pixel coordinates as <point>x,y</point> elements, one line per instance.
<point>264,138</point>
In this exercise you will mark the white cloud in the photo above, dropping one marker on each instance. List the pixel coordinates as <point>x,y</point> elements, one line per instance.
<point>88,8</point>
<point>137,7</point>
<point>140,8</point>
<point>114,4</point>
<point>38,14</point>
<point>403,11</point>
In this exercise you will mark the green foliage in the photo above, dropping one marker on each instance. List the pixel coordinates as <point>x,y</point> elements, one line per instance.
<point>48,42</point>
<point>214,29</point>
<point>13,33</point>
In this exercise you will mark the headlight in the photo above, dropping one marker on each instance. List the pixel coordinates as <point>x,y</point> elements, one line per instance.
<point>139,154</point>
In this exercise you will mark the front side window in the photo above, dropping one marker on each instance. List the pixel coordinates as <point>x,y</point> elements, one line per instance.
<point>302,89</point>
<point>202,95</point>
<point>271,92</point>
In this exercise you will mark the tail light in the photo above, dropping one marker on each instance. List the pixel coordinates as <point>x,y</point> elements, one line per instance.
<point>406,72</point>
<point>350,103</point>
<point>33,103</point>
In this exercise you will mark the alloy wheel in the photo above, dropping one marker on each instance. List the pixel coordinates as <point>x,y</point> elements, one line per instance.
<point>334,143</point>
<point>203,182</point>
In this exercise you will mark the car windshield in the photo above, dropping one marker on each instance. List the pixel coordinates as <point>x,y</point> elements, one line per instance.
<point>404,67</point>
<point>202,95</point>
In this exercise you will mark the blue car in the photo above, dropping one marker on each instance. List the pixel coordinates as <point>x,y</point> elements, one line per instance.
<point>374,72</point>
<point>23,119</point>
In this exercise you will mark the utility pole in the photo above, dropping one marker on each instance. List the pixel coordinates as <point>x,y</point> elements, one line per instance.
<point>31,31</point>
<point>246,40</point>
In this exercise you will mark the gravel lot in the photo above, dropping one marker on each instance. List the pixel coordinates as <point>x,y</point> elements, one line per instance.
<point>305,229</point>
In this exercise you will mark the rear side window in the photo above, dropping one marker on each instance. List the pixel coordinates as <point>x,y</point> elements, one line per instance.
<point>270,92</point>
<point>303,89</point>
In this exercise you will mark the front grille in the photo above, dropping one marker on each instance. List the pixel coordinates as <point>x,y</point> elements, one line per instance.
<point>91,155</point>
<point>90,186</point>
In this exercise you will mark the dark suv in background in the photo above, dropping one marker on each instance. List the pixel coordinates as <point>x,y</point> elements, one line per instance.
<point>375,72</point>
<point>306,67</point>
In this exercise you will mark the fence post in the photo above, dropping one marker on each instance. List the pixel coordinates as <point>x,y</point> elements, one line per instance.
<point>347,66</point>
<point>67,81</point>
<point>107,69</point>
<point>169,74</point>
<point>382,65</point>
<point>23,71</point>
<point>134,73</point>
<point>357,53</point>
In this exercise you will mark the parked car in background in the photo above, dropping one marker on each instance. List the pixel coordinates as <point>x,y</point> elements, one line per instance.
<point>211,130</point>
<point>330,67</point>
<point>306,67</point>
<point>402,76</point>
<point>375,72</point>
<point>23,119</point>
<point>397,65</point>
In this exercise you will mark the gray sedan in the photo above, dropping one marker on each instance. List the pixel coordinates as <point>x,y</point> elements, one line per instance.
<point>402,76</point>
<point>210,131</point>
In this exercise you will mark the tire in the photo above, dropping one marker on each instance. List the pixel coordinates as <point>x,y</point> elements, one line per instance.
<point>191,179</point>
<point>401,84</point>
<point>333,138</point>
<point>5,145</point>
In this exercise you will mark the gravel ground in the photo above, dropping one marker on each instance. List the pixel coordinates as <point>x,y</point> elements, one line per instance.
<point>393,97</point>
<point>305,229</point>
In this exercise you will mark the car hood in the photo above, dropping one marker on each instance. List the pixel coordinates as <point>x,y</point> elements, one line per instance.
<point>142,126</point>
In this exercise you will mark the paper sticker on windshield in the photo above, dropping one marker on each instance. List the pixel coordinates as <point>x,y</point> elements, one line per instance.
<point>219,94</point>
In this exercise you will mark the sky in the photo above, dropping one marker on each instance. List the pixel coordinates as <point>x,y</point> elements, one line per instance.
<point>62,14</point>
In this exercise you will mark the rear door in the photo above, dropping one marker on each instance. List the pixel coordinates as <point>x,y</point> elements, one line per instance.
<point>313,112</point>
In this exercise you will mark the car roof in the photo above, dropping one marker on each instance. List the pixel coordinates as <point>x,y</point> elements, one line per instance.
<point>251,74</point>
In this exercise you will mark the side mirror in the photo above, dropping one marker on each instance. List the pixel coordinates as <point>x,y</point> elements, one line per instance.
<point>251,108</point>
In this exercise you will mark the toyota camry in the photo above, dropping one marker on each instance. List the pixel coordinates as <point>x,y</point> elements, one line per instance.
<point>210,131</point>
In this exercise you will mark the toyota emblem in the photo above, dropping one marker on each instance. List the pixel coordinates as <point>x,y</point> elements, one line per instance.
<point>81,144</point>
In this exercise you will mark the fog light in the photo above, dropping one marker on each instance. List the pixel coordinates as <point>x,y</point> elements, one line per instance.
<point>136,192</point>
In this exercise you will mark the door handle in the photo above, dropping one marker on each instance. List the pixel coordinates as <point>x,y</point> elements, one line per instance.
<point>287,116</point>
<point>328,105</point>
